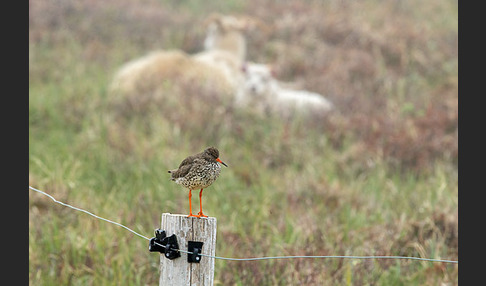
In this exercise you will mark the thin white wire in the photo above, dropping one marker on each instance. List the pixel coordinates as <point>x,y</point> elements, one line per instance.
<point>87,212</point>
<point>249,259</point>
<point>332,256</point>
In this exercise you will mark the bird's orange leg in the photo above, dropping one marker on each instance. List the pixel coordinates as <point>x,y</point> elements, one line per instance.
<point>190,206</point>
<point>200,214</point>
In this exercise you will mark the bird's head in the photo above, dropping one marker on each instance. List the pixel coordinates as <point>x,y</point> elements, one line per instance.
<point>213,153</point>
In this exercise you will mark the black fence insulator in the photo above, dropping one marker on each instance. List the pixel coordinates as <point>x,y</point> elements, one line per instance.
<point>164,244</point>
<point>196,248</point>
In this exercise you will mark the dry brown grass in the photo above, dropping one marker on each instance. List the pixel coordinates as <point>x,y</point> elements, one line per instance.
<point>377,177</point>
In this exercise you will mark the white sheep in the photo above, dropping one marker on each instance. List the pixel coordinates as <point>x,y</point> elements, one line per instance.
<point>217,66</point>
<point>262,92</point>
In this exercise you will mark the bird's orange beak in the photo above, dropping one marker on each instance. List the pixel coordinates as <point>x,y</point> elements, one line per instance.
<point>219,160</point>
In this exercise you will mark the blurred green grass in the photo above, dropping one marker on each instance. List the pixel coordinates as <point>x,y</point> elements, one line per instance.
<point>377,178</point>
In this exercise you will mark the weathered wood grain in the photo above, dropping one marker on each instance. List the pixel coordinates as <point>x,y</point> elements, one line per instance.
<point>179,271</point>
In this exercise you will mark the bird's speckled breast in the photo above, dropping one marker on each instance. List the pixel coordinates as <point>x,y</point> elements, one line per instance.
<point>200,176</point>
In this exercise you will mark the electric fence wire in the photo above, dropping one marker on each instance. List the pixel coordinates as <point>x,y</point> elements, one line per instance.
<point>249,259</point>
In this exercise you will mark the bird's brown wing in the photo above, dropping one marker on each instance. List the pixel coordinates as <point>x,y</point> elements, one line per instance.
<point>181,172</point>
<point>188,161</point>
<point>184,167</point>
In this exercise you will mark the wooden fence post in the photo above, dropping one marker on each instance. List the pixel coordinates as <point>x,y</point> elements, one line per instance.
<point>178,271</point>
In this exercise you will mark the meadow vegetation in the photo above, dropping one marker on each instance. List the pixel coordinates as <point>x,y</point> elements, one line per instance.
<point>376,177</point>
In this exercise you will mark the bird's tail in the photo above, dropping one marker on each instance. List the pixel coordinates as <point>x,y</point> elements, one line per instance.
<point>171,177</point>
